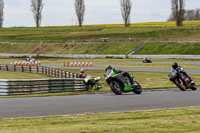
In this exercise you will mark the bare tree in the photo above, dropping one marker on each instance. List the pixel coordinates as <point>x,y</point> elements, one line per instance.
<point>189,15</point>
<point>197,14</point>
<point>36,8</point>
<point>80,11</point>
<point>126,6</point>
<point>1,13</point>
<point>178,11</point>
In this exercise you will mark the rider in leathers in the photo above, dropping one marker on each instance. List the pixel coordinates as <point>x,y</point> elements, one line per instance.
<point>176,67</point>
<point>116,70</point>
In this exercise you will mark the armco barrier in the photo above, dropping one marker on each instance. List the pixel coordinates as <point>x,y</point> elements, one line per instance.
<point>64,81</point>
<point>39,69</point>
<point>38,86</point>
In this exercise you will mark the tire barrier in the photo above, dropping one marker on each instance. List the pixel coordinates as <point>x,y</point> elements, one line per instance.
<point>39,86</point>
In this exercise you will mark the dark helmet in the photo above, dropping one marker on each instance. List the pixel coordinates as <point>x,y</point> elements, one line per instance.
<point>175,65</point>
<point>108,67</point>
<point>82,70</point>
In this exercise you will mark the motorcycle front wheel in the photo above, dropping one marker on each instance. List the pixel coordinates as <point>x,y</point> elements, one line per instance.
<point>116,87</point>
<point>138,88</point>
<point>193,87</point>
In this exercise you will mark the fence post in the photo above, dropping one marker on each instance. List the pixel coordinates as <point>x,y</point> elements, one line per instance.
<point>64,74</point>
<point>77,75</point>
<point>45,70</point>
<point>14,68</point>
<point>42,70</point>
<point>6,67</point>
<point>49,71</point>
<point>59,73</point>
<point>54,72</point>
<point>29,69</point>
<point>37,69</point>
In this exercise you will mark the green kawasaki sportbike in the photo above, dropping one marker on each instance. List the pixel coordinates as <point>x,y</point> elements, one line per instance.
<point>120,83</point>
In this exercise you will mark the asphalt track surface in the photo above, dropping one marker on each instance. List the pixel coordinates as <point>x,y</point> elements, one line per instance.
<point>97,103</point>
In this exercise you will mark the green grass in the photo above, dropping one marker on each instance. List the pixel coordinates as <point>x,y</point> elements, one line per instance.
<point>64,33</point>
<point>156,48</point>
<point>19,75</point>
<point>114,48</point>
<point>59,61</point>
<point>147,65</point>
<point>157,63</point>
<point>91,48</point>
<point>165,121</point>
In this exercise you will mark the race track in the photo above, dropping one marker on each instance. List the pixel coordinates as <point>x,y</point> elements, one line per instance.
<point>97,103</point>
<point>135,69</point>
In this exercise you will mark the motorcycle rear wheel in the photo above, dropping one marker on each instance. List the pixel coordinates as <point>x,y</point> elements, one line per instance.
<point>88,86</point>
<point>116,87</point>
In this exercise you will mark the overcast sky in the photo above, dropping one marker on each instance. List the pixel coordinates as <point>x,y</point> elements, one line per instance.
<point>61,12</point>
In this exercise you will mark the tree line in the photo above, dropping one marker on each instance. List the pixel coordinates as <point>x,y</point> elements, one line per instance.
<point>179,14</point>
<point>189,15</point>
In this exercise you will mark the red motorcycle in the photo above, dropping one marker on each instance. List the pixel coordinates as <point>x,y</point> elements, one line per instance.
<point>181,80</point>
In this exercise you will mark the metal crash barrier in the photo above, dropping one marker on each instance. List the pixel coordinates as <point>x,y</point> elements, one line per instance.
<point>39,86</point>
<point>64,81</point>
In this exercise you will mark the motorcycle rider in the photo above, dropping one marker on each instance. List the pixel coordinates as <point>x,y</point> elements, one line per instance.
<point>176,67</point>
<point>30,58</point>
<point>116,70</point>
<point>82,74</point>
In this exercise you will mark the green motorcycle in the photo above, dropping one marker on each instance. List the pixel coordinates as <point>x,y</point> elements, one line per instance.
<point>92,83</point>
<point>120,84</point>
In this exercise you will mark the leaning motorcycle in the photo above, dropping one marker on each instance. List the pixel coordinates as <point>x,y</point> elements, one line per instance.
<point>181,80</point>
<point>92,83</point>
<point>120,84</point>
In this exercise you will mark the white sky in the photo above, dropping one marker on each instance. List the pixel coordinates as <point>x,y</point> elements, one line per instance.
<point>61,12</point>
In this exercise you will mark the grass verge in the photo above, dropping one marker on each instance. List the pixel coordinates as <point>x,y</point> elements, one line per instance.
<point>91,48</point>
<point>111,48</point>
<point>190,30</point>
<point>165,121</point>
<point>157,63</point>
<point>157,48</point>
<point>20,75</point>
